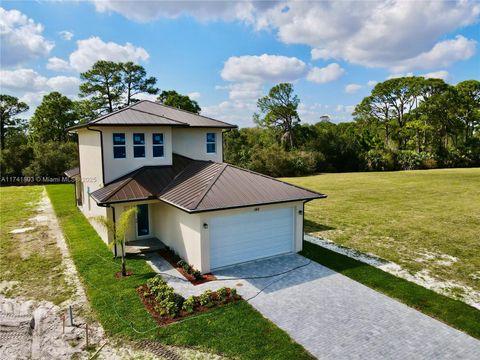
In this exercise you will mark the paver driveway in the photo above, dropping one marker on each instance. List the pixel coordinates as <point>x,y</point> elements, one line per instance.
<point>332,316</point>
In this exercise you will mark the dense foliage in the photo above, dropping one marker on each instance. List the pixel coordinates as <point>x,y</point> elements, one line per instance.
<point>406,123</point>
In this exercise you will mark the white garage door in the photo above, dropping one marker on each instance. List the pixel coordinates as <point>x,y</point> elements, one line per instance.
<point>250,235</point>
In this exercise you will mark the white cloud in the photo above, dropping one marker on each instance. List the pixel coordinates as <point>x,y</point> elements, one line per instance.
<point>21,38</point>
<point>345,109</point>
<point>326,74</point>
<point>381,33</point>
<point>239,112</point>
<point>374,34</point>
<point>93,49</point>
<point>372,82</point>
<point>66,35</point>
<point>443,54</point>
<point>352,88</point>
<point>146,96</point>
<point>250,72</point>
<point>145,11</point>
<point>399,75</point>
<point>30,85</point>
<point>57,64</point>
<point>21,80</point>
<point>442,74</point>
<point>195,95</point>
<point>64,84</point>
<point>247,90</point>
<point>263,68</point>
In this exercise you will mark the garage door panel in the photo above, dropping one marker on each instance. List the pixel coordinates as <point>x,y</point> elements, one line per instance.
<point>249,236</point>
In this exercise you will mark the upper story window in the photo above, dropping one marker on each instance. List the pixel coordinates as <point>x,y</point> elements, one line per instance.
<point>138,145</point>
<point>211,143</point>
<point>119,146</point>
<point>157,141</point>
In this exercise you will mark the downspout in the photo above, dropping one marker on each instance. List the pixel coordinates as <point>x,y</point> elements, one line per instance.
<point>101,149</point>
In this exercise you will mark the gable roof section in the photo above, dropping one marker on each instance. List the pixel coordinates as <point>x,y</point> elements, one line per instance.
<point>197,186</point>
<point>148,113</point>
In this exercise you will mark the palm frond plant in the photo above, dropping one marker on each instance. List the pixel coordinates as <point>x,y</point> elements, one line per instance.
<point>118,231</point>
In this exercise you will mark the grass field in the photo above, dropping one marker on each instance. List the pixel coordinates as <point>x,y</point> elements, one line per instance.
<point>236,330</point>
<point>30,262</point>
<point>425,221</point>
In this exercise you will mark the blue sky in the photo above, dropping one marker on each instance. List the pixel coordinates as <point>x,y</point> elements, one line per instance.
<point>227,54</point>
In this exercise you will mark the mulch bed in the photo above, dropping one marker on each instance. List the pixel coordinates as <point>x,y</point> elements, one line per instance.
<point>166,254</point>
<point>149,302</point>
<point>119,275</point>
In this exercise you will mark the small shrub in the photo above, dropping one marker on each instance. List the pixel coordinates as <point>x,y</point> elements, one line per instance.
<point>429,163</point>
<point>169,302</point>
<point>189,304</point>
<point>206,299</point>
<point>223,294</point>
<point>408,160</point>
<point>197,274</point>
<point>233,293</point>
<point>379,160</point>
<point>155,281</point>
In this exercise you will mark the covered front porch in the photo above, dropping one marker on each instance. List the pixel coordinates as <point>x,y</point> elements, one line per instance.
<point>143,246</point>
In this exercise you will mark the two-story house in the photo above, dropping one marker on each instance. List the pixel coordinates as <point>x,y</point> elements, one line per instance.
<point>169,164</point>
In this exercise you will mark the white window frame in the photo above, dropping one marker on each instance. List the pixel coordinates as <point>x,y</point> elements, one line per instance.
<point>139,145</point>
<point>162,145</point>
<point>117,145</point>
<point>211,142</point>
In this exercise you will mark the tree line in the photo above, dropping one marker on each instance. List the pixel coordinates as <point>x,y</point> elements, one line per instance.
<point>41,147</point>
<point>405,123</point>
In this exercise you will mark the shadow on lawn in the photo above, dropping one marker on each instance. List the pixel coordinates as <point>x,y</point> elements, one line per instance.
<point>313,226</point>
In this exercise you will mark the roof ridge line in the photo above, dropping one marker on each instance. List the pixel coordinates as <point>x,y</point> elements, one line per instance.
<point>272,178</point>
<point>160,116</point>
<point>108,115</point>
<point>189,112</point>
<point>214,180</point>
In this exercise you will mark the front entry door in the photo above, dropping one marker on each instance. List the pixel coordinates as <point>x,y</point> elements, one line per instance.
<point>142,220</point>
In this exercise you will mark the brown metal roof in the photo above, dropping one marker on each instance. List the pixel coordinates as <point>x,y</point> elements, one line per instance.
<point>148,113</point>
<point>179,115</point>
<point>142,184</point>
<point>72,172</point>
<point>196,186</point>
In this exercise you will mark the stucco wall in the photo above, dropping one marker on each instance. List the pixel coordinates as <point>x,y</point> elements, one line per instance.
<point>115,168</point>
<point>180,231</point>
<point>91,177</point>
<point>192,143</point>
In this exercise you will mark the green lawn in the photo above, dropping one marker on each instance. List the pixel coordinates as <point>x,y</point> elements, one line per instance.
<point>236,330</point>
<point>418,219</point>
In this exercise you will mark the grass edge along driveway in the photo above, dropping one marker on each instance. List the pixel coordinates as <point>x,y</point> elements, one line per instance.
<point>452,312</point>
<point>235,330</point>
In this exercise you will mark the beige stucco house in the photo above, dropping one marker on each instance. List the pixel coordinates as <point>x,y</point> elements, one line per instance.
<point>169,163</point>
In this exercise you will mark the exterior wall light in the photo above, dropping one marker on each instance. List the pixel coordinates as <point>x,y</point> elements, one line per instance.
<point>256,209</point>
<point>205,225</point>
<point>300,212</point>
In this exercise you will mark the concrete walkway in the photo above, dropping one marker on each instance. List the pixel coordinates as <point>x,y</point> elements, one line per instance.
<point>332,316</point>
